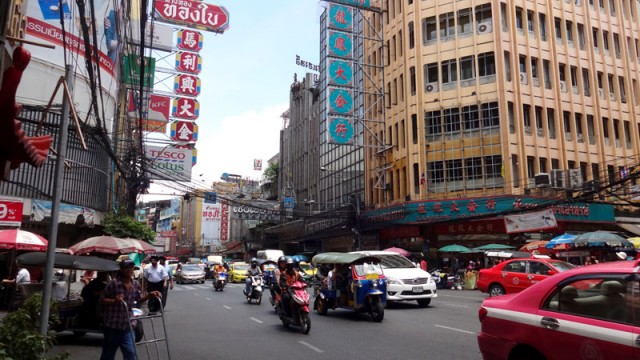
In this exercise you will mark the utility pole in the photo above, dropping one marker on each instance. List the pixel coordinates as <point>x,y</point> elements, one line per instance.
<point>55,203</point>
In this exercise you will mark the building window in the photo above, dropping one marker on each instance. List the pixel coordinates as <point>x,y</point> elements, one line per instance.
<point>429,30</point>
<point>578,117</point>
<point>490,115</point>
<point>605,129</point>
<point>542,25</point>
<point>530,23</point>
<point>433,122</point>
<point>483,14</point>
<point>473,168</point>
<point>486,64</point>
<point>467,71</point>
<point>416,179</point>
<point>545,74</point>
<point>558,28</point>
<point>526,118</point>
<point>507,66</point>
<point>412,40</point>
<point>581,36</point>
<point>605,41</point>
<point>595,39</point>
<point>538,116</point>
<point>414,128</point>
<point>447,26</point>
<point>431,73</point>
<point>470,117</point>
<point>454,170</point>
<point>531,170</point>
<point>519,20</point>
<point>449,71</point>
<point>401,87</point>
<point>412,80</point>
<point>451,120</point>
<point>465,23</point>
<point>543,164</point>
<point>436,172</point>
<point>503,17</point>
<point>493,166</point>
<point>534,71</point>
<point>551,123</point>
<point>567,124</point>
<point>569,27</point>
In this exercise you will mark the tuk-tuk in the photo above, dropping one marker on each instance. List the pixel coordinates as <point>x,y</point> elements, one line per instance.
<point>268,268</point>
<point>357,283</point>
<point>74,311</point>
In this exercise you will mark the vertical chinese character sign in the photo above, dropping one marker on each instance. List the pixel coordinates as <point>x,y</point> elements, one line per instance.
<point>340,131</point>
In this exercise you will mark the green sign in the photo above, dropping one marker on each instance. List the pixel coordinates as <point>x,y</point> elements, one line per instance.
<point>132,70</point>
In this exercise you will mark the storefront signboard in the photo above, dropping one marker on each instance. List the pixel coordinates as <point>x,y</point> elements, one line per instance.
<point>11,212</point>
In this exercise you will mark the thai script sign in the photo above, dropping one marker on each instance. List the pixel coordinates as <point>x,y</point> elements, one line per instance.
<point>185,108</point>
<point>187,85</point>
<point>184,131</point>
<point>188,62</point>
<point>253,213</point>
<point>11,212</point>
<point>194,14</point>
<point>190,40</point>
<point>168,163</point>
<point>306,64</point>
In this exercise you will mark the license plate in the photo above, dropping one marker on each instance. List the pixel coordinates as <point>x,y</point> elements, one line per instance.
<point>417,289</point>
<point>373,276</point>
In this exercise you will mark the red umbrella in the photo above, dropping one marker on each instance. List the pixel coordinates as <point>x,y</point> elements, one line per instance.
<point>22,240</point>
<point>400,251</point>
<point>111,245</point>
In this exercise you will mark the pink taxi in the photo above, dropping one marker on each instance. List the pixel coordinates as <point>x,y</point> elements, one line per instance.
<point>591,312</point>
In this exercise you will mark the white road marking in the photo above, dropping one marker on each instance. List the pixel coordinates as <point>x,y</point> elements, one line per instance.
<point>454,329</point>
<point>256,320</point>
<point>227,307</point>
<point>196,294</point>
<point>460,297</point>
<point>189,287</point>
<point>320,351</point>
<point>207,298</point>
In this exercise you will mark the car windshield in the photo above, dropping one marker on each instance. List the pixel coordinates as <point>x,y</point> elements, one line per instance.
<point>368,268</point>
<point>240,267</point>
<point>395,262</point>
<point>562,266</point>
<point>190,268</point>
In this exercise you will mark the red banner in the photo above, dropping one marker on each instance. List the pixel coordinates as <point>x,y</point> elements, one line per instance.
<point>11,212</point>
<point>224,223</point>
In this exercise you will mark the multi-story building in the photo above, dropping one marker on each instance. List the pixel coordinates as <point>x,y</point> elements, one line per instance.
<point>491,105</point>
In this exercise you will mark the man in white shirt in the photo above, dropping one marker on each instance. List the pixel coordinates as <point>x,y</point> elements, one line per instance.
<point>154,276</point>
<point>22,277</point>
<point>168,279</point>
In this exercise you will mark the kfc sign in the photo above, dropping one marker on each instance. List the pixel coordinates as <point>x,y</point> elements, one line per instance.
<point>184,131</point>
<point>11,212</point>
<point>188,62</point>
<point>185,108</point>
<point>159,107</point>
<point>189,40</point>
<point>192,14</point>
<point>188,85</point>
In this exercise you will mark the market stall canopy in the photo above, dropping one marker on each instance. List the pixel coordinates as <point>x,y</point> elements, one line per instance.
<point>66,261</point>
<point>397,250</point>
<point>561,239</point>
<point>601,238</point>
<point>300,257</point>
<point>453,248</point>
<point>111,245</point>
<point>494,247</point>
<point>22,240</point>
<point>340,258</point>
<point>508,254</point>
<point>535,245</point>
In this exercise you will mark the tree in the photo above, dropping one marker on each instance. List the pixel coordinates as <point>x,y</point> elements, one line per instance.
<point>124,226</point>
<point>270,176</point>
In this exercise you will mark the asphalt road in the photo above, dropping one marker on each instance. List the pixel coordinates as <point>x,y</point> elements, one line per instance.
<point>204,324</point>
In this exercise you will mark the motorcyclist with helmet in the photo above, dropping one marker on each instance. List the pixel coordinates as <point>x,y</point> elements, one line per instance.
<point>288,278</point>
<point>278,272</point>
<point>253,270</point>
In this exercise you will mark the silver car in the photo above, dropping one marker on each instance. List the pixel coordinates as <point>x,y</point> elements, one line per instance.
<point>190,273</point>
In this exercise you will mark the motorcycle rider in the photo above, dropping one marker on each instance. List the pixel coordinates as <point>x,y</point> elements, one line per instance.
<point>253,270</point>
<point>277,273</point>
<point>288,278</point>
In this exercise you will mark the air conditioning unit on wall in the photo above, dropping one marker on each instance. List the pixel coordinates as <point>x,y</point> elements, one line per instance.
<point>485,27</point>
<point>432,87</point>
<point>542,180</point>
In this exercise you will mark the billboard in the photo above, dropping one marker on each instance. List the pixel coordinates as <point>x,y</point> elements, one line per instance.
<point>11,212</point>
<point>159,107</point>
<point>193,14</point>
<point>185,108</point>
<point>531,222</point>
<point>156,35</point>
<point>184,131</point>
<point>168,163</point>
<point>188,85</point>
<point>190,40</point>
<point>188,62</point>
<point>133,70</point>
<point>211,216</point>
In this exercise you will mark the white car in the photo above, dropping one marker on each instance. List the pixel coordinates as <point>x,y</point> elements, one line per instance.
<point>405,281</point>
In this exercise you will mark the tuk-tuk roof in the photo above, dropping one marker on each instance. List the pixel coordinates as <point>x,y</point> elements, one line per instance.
<point>266,261</point>
<point>66,261</point>
<point>340,258</point>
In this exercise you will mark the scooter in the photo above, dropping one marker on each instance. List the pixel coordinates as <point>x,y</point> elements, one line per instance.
<point>256,289</point>
<point>298,315</point>
<point>220,281</point>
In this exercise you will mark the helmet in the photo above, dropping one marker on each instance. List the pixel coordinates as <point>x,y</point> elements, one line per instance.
<point>290,264</point>
<point>282,259</point>
<point>254,261</point>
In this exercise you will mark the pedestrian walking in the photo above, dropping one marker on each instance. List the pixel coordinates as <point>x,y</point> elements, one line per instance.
<point>168,280</point>
<point>123,289</point>
<point>154,276</point>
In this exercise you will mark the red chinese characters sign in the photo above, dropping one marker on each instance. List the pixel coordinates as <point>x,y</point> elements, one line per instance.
<point>194,14</point>
<point>189,40</point>
<point>188,62</point>
<point>10,212</point>
<point>185,108</point>
<point>184,131</point>
<point>188,85</point>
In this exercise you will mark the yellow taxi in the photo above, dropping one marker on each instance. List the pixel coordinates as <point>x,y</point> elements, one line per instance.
<point>308,270</point>
<point>238,272</point>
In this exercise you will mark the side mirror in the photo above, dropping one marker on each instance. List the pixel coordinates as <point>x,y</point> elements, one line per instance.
<point>551,272</point>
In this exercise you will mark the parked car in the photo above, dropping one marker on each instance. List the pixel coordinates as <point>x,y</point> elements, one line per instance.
<point>238,272</point>
<point>515,275</point>
<point>190,273</point>
<point>589,312</point>
<point>405,282</point>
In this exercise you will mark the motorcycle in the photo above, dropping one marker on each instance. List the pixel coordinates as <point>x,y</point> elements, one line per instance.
<point>298,314</point>
<point>220,281</point>
<point>256,289</point>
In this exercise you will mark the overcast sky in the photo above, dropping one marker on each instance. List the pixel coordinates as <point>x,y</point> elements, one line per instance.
<point>246,76</point>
